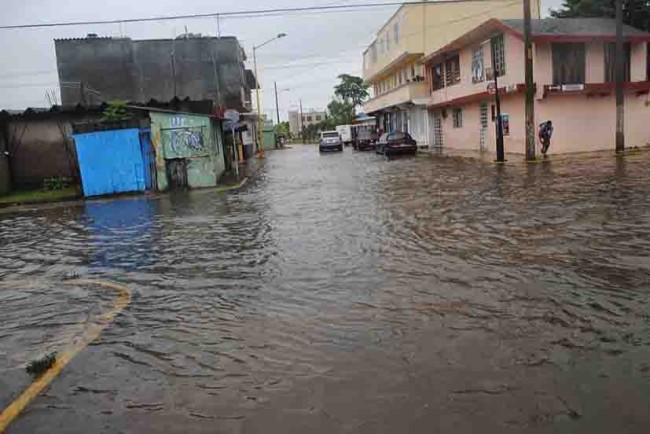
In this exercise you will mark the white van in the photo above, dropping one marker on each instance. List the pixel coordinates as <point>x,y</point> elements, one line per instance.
<point>345,131</point>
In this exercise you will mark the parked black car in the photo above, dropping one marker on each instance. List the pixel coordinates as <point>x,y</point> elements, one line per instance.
<point>396,143</point>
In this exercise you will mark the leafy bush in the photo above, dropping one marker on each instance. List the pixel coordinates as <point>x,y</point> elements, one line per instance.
<point>115,111</point>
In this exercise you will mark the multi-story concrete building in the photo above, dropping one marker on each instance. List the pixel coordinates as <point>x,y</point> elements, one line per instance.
<point>96,69</point>
<point>310,117</point>
<point>392,63</point>
<point>573,72</point>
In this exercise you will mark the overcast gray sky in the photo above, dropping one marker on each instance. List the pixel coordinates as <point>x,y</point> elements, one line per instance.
<point>319,46</point>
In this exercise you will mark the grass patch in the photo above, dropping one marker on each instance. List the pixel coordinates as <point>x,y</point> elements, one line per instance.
<point>34,196</point>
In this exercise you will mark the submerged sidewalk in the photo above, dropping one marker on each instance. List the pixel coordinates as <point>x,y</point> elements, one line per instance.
<point>70,198</point>
<point>488,156</point>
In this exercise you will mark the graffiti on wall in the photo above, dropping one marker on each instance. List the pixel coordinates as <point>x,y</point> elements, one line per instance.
<point>183,140</point>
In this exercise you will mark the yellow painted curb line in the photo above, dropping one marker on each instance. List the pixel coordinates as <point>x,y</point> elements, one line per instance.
<point>91,333</point>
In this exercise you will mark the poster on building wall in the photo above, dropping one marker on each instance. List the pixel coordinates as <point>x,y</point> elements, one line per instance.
<point>505,123</point>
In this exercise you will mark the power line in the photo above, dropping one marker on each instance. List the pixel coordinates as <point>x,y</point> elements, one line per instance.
<point>237,14</point>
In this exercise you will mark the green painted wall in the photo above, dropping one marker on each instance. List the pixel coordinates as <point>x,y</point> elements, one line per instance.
<point>196,138</point>
<point>268,138</point>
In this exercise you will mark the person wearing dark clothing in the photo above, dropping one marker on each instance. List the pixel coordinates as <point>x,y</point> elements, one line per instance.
<point>545,133</point>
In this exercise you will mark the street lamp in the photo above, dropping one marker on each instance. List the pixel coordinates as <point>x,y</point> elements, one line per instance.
<point>257,87</point>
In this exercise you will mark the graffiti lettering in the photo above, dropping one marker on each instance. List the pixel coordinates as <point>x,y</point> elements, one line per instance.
<point>177,121</point>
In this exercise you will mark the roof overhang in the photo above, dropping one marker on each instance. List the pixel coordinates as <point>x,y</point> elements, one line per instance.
<point>587,38</point>
<point>400,60</point>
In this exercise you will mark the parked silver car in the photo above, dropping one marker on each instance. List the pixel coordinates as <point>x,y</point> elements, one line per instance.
<point>330,141</point>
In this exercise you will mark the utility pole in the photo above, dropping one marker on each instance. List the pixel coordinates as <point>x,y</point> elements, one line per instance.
<point>258,124</point>
<point>619,65</point>
<point>277,107</point>
<point>497,103</point>
<point>530,85</point>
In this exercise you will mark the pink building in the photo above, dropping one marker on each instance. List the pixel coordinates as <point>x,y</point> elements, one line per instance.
<point>574,74</point>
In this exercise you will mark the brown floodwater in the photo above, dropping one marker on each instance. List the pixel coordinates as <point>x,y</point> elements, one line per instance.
<point>344,293</point>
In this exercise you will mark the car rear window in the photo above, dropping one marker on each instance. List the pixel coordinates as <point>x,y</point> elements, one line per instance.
<point>333,134</point>
<point>397,136</point>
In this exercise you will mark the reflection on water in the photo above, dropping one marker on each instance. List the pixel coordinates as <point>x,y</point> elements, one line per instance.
<point>123,233</point>
<point>347,293</point>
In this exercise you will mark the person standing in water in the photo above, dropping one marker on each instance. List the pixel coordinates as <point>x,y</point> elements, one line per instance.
<point>545,133</point>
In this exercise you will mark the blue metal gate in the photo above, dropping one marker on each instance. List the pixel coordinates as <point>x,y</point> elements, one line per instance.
<point>111,162</point>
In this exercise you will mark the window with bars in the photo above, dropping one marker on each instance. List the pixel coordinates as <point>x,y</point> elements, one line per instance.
<point>478,70</point>
<point>457,117</point>
<point>610,61</point>
<point>498,55</point>
<point>568,63</point>
<point>452,70</point>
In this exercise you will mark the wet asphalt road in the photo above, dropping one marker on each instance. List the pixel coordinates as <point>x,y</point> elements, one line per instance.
<point>345,293</point>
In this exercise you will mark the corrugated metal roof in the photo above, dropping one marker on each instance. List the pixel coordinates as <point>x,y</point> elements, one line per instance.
<point>574,27</point>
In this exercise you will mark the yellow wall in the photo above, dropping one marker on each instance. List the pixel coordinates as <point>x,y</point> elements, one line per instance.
<point>428,27</point>
<point>400,95</point>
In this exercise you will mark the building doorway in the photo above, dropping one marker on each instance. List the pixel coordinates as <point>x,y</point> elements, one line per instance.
<point>177,173</point>
<point>437,133</point>
<point>483,127</point>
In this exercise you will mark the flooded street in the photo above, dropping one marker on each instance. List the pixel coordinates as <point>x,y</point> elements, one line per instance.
<point>344,293</point>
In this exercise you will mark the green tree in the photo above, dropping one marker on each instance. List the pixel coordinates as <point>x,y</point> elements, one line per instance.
<point>351,89</point>
<point>635,12</point>
<point>341,111</point>
<point>311,133</point>
<point>282,129</point>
